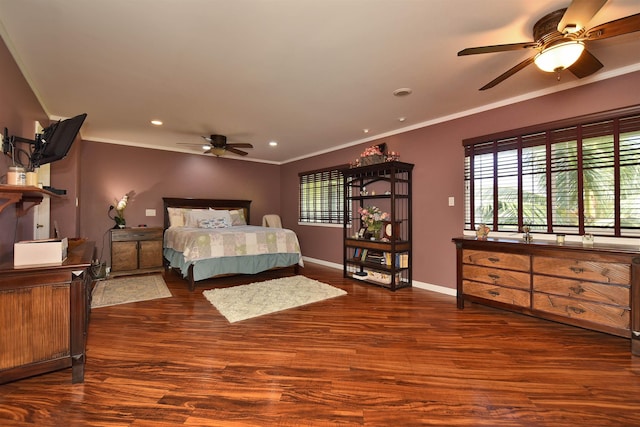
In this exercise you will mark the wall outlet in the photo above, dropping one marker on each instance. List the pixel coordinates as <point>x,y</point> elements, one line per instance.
<point>150,212</point>
<point>452,201</point>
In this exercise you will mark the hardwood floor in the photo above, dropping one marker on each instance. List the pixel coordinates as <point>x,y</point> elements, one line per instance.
<point>372,357</point>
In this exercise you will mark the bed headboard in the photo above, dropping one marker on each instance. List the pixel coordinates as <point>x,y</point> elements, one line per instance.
<point>177,202</point>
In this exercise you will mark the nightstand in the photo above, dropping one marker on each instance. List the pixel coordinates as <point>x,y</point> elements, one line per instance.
<point>136,250</point>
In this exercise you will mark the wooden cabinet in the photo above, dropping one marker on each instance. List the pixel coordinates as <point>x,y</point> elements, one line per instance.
<point>595,287</point>
<point>136,250</point>
<point>44,314</point>
<point>386,186</point>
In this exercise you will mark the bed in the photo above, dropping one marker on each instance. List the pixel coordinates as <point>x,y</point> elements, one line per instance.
<point>201,241</point>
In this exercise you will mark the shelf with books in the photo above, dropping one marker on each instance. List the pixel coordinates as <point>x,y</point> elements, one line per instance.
<point>383,190</point>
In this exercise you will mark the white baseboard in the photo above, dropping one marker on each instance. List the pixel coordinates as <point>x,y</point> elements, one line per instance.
<point>416,284</point>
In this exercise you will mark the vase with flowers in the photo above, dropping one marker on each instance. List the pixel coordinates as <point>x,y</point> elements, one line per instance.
<point>372,155</point>
<point>372,218</point>
<point>120,207</point>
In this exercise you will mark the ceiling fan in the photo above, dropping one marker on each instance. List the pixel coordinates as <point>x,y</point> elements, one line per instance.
<point>559,39</point>
<point>218,146</point>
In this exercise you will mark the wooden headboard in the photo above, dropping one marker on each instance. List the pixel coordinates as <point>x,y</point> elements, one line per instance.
<point>177,202</point>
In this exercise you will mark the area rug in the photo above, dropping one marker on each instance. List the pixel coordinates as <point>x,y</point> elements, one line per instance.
<point>123,290</point>
<point>256,299</point>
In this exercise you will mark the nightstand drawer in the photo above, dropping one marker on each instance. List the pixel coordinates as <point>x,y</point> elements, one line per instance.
<point>497,293</point>
<point>497,259</point>
<point>129,234</point>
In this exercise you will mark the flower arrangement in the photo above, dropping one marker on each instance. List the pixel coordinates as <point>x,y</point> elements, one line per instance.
<point>371,151</point>
<point>120,206</point>
<point>372,218</point>
<point>374,154</point>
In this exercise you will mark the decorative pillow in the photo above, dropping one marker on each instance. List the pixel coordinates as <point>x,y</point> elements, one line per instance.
<point>192,216</point>
<point>176,217</point>
<point>213,223</point>
<point>237,217</point>
<point>195,216</point>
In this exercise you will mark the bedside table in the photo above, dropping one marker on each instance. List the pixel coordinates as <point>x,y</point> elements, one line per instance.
<point>136,250</point>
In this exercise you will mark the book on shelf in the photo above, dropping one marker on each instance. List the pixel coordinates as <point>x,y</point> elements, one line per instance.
<point>357,253</point>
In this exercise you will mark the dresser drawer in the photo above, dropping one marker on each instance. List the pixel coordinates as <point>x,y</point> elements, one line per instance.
<point>605,272</point>
<point>590,291</point>
<point>616,317</point>
<point>496,259</point>
<point>497,293</point>
<point>496,276</point>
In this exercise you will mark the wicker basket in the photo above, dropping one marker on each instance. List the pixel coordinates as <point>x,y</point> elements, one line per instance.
<point>371,160</point>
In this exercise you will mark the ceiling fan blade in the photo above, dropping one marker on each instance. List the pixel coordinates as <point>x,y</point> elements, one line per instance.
<point>497,48</point>
<point>236,151</point>
<point>578,15</point>
<point>621,26</point>
<point>508,73</point>
<point>240,145</point>
<point>586,65</point>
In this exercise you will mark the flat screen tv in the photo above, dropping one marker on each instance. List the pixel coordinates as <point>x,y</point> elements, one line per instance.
<point>55,141</point>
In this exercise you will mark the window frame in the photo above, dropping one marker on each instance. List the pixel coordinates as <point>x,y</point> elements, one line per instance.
<point>586,132</point>
<point>326,207</point>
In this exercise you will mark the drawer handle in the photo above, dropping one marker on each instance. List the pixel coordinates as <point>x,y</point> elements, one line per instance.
<point>577,270</point>
<point>493,293</point>
<point>494,259</point>
<point>494,276</point>
<point>576,310</point>
<point>577,289</point>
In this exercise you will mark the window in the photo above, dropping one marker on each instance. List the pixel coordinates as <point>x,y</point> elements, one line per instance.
<point>321,196</point>
<point>558,178</point>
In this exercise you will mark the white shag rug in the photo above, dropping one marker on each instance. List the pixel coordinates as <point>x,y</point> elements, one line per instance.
<point>256,299</point>
<point>123,290</point>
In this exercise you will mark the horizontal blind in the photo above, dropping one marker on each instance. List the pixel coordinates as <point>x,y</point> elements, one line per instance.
<point>321,196</point>
<point>566,179</point>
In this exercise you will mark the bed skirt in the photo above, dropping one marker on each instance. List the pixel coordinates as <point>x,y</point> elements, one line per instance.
<point>205,269</point>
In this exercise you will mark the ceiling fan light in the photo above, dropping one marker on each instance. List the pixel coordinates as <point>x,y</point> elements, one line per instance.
<point>559,56</point>
<point>218,151</point>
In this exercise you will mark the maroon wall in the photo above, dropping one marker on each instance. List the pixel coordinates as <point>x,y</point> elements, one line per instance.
<point>437,154</point>
<point>109,171</point>
<point>98,173</point>
<point>19,110</point>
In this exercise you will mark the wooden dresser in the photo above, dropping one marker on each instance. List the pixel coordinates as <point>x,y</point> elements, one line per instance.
<point>595,287</point>
<point>44,314</point>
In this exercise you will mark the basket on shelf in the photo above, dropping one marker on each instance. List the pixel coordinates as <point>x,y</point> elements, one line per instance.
<point>371,160</point>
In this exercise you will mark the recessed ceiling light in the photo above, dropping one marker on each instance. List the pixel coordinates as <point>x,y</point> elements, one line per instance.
<point>403,91</point>
<point>273,143</point>
<point>402,119</point>
<point>365,130</point>
<point>156,122</point>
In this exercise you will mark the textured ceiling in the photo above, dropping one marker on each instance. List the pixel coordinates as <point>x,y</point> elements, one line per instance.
<point>309,74</point>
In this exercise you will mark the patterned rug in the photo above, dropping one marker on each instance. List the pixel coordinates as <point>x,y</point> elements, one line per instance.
<point>123,290</point>
<point>256,299</point>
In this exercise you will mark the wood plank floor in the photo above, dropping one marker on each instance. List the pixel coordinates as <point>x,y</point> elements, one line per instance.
<point>373,358</point>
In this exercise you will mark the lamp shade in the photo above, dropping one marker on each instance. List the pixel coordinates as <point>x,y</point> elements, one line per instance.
<point>218,151</point>
<point>559,56</point>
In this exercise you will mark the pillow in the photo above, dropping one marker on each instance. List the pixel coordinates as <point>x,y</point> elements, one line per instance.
<point>213,223</point>
<point>195,216</point>
<point>176,217</point>
<point>237,217</point>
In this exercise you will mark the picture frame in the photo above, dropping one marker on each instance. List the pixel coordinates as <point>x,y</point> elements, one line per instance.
<point>361,233</point>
